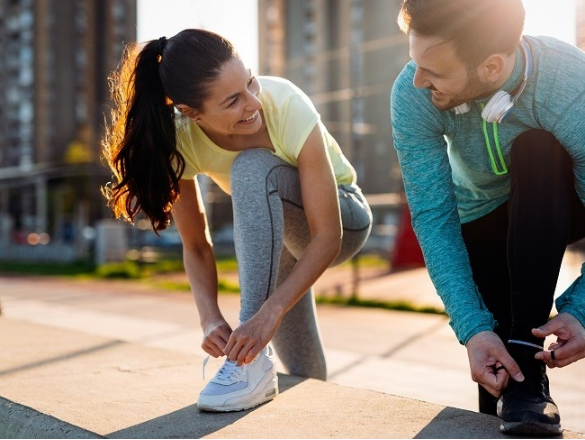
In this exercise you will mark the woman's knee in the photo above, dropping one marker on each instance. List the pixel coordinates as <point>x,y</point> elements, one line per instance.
<point>255,168</point>
<point>250,160</point>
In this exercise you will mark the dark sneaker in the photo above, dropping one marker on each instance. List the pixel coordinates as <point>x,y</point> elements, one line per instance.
<point>526,408</point>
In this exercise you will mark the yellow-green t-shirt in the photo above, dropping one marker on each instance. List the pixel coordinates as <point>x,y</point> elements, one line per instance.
<point>290,117</point>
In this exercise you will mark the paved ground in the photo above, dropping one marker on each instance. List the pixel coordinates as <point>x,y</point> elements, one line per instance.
<point>400,353</point>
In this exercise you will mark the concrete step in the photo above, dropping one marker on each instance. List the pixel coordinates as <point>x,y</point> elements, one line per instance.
<point>61,383</point>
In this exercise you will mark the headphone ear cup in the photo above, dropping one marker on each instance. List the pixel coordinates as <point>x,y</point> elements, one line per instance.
<point>497,107</point>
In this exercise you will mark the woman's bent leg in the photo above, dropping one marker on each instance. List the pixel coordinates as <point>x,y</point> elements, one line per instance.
<point>298,341</point>
<point>271,232</point>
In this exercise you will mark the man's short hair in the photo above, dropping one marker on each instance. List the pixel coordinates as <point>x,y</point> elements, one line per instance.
<point>476,28</point>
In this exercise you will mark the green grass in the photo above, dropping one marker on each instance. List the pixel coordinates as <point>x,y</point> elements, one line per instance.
<point>223,286</point>
<point>126,270</point>
<point>131,270</point>
<point>50,269</point>
<point>386,305</point>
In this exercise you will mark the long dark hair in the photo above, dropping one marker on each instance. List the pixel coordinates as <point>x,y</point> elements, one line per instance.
<point>140,144</point>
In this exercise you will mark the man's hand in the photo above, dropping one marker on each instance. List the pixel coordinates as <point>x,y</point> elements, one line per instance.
<point>491,364</point>
<point>570,344</point>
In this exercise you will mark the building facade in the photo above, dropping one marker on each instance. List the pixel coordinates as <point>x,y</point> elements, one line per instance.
<point>345,54</point>
<point>58,55</point>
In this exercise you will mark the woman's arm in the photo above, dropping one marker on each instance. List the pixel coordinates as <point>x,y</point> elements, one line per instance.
<point>199,260</point>
<point>321,205</point>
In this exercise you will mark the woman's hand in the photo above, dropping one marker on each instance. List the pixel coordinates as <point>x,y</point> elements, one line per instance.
<point>215,337</point>
<point>252,336</point>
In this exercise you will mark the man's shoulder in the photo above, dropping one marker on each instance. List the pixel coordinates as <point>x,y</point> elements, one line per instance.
<point>405,77</point>
<point>552,51</point>
<point>558,68</point>
<point>408,100</point>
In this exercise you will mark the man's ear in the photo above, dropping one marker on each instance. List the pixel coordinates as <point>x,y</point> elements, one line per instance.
<point>492,68</point>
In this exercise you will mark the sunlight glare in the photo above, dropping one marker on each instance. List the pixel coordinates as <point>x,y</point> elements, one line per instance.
<point>556,18</point>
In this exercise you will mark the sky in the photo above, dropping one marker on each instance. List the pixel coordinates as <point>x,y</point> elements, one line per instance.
<point>551,17</point>
<point>237,20</point>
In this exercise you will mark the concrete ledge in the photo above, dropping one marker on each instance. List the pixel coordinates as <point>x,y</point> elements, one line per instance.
<point>19,421</point>
<point>58,383</point>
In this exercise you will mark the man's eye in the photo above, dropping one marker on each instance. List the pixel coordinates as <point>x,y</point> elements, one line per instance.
<point>231,104</point>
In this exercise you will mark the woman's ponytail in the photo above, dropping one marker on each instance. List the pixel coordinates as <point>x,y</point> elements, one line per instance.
<point>140,145</point>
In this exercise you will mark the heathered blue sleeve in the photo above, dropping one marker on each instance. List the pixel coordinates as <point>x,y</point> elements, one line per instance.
<point>418,130</point>
<point>560,109</point>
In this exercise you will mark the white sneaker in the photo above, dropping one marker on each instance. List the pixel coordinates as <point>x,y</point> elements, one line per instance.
<point>235,388</point>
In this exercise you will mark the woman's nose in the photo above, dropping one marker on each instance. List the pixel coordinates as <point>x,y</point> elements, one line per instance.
<point>254,102</point>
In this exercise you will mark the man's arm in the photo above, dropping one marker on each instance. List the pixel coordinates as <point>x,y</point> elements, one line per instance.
<point>422,153</point>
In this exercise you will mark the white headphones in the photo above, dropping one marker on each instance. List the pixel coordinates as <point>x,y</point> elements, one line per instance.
<point>502,103</point>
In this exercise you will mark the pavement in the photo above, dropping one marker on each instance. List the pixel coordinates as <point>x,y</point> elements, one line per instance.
<point>122,359</point>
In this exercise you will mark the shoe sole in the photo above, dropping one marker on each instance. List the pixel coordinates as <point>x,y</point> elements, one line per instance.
<point>266,394</point>
<point>531,428</point>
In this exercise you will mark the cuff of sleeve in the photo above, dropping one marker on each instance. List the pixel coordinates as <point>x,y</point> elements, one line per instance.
<point>464,334</point>
<point>571,301</point>
<point>578,313</point>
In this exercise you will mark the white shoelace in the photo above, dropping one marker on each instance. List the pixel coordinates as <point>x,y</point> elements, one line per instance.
<point>229,370</point>
<point>528,344</point>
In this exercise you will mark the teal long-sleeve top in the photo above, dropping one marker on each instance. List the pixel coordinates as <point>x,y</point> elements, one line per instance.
<point>448,175</point>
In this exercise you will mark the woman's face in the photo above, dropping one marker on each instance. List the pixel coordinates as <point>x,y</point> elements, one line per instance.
<point>233,106</point>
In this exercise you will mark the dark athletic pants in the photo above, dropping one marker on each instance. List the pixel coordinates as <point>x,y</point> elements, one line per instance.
<point>516,250</point>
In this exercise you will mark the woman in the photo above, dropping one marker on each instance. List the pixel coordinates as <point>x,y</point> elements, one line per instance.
<point>188,106</point>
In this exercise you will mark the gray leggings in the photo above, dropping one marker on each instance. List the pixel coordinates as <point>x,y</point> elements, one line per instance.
<point>270,233</point>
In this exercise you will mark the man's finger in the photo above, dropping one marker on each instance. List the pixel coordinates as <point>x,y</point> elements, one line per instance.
<point>556,326</point>
<point>494,383</point>
<point>511,367</point>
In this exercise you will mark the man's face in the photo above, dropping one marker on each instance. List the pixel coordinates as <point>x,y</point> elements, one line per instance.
<point>450,81</point>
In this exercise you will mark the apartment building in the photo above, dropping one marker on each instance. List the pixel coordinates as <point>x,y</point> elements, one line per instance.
<point>345,54</point>
<point>57,55</point>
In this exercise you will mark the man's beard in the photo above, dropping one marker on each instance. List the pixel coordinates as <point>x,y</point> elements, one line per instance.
<point>474,89</point>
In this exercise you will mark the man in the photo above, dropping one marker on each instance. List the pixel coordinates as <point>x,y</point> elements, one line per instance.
<point>489,127</point>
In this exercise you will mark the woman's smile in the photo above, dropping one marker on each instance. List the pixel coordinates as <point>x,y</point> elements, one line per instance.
<point>249,119</point>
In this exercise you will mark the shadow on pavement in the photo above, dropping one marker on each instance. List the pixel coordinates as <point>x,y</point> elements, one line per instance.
<point>189,422</point>
<point>61,358</point>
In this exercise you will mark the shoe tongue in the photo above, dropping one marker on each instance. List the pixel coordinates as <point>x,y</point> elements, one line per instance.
<point>229,370</point>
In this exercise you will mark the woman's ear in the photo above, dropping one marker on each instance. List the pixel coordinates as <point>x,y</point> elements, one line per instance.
<point>188,112</point>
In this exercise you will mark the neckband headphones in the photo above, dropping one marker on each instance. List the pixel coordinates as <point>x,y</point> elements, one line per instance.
<point>497,109</point>
<point>502,103</point>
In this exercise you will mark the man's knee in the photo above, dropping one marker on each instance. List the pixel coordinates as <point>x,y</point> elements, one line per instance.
<point>538,155</point>
<point>534,144</point>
